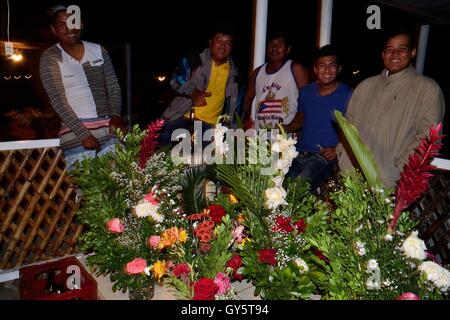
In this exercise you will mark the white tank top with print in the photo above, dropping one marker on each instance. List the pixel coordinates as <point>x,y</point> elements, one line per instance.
<point>275,96</point>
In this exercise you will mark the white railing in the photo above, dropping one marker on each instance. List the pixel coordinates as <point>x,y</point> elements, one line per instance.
<point>29,144</point>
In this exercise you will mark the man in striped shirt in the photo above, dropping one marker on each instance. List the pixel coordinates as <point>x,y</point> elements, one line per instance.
<point>79,79</point>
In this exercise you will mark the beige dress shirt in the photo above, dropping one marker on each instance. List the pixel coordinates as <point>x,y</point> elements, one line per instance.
<point>392,113</point>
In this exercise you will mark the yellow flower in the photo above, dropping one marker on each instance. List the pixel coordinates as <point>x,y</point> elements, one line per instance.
<point>182,236</point>
<point>159,269</point>
<point>240,218</point>
<point>233,199</point>
<point>245,240</point>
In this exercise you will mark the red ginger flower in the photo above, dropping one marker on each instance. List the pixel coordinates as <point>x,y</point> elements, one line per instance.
<point>416,174</point>
<point>150,141</point>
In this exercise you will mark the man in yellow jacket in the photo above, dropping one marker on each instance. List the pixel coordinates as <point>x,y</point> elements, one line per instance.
<point>394,110</point>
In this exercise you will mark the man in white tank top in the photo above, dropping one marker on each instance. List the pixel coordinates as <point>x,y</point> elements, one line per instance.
<point>274,86</point>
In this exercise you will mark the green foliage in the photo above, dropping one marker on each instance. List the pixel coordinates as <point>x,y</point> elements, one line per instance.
<point>362,152</point>
<point>355,236</point>
<point>249,184</point>
<point>193,188</point>
<point>288,282</point>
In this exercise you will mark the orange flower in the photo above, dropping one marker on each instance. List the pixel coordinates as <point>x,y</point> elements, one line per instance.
<point>169,236</point>
<point>159,269</point>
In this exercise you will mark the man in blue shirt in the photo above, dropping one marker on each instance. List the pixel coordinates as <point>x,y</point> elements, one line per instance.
<point>316,104</point>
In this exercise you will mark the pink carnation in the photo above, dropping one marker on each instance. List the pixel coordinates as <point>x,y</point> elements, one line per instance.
<point>150,197</point>
<point>153,241</point>
<point>115,226</point>
<point>408,296</point>
<point>136,266</point>
<point>222,282</point>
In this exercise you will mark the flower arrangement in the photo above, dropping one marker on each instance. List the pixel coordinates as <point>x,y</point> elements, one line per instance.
<point>199,261</point>
<point>124,203</point>
<point>277,258</point>
<point>373,250</point>
<point>148,220</point>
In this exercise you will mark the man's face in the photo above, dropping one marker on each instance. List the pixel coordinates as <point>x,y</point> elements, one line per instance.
<point>221,46</point>
<point>60,30</point>
<point>277,50</point>
<point>326,69</point>
<point>397,54</point>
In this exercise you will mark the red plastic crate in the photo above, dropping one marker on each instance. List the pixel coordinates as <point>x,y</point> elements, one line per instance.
<point>33,282</point>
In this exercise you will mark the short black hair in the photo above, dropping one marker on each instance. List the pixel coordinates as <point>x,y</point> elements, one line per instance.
<point>326,51</point>
<point>396,31</point>
<point>223,26</point>
<point>279,34</point>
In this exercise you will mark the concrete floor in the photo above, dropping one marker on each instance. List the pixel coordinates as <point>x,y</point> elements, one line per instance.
<point>9,290</point>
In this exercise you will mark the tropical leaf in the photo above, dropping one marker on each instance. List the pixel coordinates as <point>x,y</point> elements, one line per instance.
<point>193,190</point>
<point>361,151</point>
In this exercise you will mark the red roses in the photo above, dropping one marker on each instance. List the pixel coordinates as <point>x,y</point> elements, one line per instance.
<point>267,256</point>
<point>216,213</point>
<point>205,289</point>
<point>283,223</point>
<point>235,263</point>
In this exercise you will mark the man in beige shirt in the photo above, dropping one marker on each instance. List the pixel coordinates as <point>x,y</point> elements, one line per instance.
<point>394,110</point>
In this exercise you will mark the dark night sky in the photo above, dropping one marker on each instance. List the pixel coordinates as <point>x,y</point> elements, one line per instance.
<point>160,32</point>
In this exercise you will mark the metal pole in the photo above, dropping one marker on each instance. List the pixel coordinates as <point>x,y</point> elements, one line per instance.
<point>259,51</point>
<point>422,48</point>
<point>326,16</point>
<point>128,82</point>
<point>259,48</point>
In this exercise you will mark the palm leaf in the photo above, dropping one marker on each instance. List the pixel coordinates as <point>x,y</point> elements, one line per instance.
<point>361,151</point>
<point>193,191</point>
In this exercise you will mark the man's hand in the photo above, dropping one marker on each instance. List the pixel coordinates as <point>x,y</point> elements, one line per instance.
<point>329,153</point>
<point>116,122</point>
<point>198,98</point>
<point>90,143</point>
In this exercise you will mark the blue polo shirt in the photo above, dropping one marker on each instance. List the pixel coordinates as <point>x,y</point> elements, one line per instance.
<point>319,127</point>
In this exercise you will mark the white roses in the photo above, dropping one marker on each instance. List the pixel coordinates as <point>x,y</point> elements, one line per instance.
<point>436,274</point>
<point>149,206</point>
<point>302,265</point>
<point>275,197</point>
<point>414,247</point>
